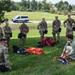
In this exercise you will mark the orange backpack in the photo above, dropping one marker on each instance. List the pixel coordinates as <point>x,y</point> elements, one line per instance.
<point>33,50</point>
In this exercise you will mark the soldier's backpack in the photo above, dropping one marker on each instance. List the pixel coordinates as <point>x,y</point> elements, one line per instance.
<point>20,35</point>
<point>73,28</point>
<point>43,41</point>
<point>26,30</point>
<point>47,41</point>
<point>10,34</point>
<point>50,42</point>
<point>59,29</point>
<point>45,32</point>
<point>39,45</point>
<point>19,50</point>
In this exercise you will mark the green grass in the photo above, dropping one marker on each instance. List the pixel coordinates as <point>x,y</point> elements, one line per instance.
<point>38,64</point>
<point>30,25</point>
<point>35,15</point>
<point>35,33</point>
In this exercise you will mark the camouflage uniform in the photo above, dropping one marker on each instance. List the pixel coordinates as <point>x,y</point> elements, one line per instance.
<point>7,31</point>
<point>24,29</point>
<point>4,57</point>
<point>55,27</point>
<point>68,24</point>
<point>1,33</point>
<point>42,27</point>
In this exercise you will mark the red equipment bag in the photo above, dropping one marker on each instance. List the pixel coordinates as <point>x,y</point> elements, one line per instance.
<point>47,41</point>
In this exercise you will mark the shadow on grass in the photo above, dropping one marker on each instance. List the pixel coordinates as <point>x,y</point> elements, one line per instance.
<point>24,61</point>
<point>33,41</point>
<point>30,42</point>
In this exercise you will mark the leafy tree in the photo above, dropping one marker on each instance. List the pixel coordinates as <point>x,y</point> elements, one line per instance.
<point>39,5</point>
<point>4,6</point>
<point>44,5</point>
<point>33,5</point>
<point>73,7</point>
<point>14,6</point>
<point>50,7</point>
<point>64,7</point>
<point>70,8</point>
<point>24,3</point>
<point>28,4</point>
<point>59,5</point>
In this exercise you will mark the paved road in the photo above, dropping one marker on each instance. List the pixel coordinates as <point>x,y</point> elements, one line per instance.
<point>10,22</point>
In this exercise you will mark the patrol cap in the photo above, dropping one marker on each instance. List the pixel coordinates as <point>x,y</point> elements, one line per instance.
<point>56,16</point>
<point>43,18</point>
<point>6,19</point>
<point>69,15</point>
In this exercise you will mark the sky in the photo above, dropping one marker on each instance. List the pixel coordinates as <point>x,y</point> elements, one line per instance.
<point>72,2</point>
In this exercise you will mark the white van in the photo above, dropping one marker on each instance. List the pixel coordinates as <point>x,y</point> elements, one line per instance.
<point>20,18</point>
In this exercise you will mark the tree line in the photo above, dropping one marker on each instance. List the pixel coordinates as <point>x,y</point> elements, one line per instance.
<point>28,5</point>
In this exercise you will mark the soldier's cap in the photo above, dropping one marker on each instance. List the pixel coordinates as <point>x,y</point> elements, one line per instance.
<point>4,39</point>
<point>6,19</point>
<point>56,16</point>
<point>69,15</point>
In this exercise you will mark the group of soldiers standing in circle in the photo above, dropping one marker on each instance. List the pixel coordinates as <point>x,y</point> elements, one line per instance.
<point>24,29</point>
<point>42,27</point>
<point>56,27</point>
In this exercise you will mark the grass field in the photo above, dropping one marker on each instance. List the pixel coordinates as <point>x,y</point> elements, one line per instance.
<point>35,15</point>
<point>37,64</point>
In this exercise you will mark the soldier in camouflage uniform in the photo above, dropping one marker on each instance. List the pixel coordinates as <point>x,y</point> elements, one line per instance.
<point>24,29</point>
<point>55,29</point>
<point>42,27</point>
<point>7,32</point>
<point>68,23</point>
<point>1,33</point>
<point>4,57</point>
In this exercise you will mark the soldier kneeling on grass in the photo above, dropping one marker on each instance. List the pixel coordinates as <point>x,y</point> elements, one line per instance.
<point>24,29</point>
<point>69,49</point>
<point>4,56</point>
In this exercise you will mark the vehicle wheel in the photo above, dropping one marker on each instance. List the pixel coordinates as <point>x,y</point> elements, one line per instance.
<point>16,20</point>
<point>24,20</point>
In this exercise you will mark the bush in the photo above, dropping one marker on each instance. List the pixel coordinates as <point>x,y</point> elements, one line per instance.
<point>46,10</point>
<point>30,10</point>
<point>73,13</point>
